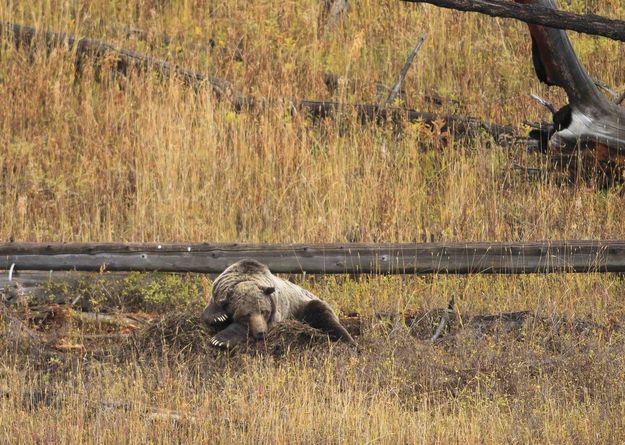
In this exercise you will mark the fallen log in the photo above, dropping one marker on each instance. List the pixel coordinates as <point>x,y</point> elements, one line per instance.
<point>538,13</point>
<point>589,126</point>
<point>588,132</point>
<point>98,318</point>
<point>457,125</point>
<point>458,258</point>
<point>31,286</point>
<point>125,60</point>
<point>233,53</point>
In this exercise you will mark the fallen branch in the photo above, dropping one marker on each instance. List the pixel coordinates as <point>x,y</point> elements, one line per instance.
<point>444,321</point>
<point>454,124</point>
<point>44,312</point>
<point>124,59</point>
<point>153,413</point>
<point>109,319</point>
<point>538,15</point>
<point>233,53</point>
<point>332,82</point>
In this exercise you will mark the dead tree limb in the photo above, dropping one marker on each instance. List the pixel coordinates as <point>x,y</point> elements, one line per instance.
<point>538,13</point>
<point>151,412</point>
<point>590,127</point>
<point>124,59</point>
<point>402,74</point>
<point>106,319</point>
<point>454,124</point>
<point>590,121</point>
<point>227,52</point>
<point>444,320</point>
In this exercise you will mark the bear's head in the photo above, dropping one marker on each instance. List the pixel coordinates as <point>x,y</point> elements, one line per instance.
<point>252,307</point>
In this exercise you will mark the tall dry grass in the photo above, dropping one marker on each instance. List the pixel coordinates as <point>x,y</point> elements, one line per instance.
<point>552,382</point>
<point>98,157</point>
<point>140,159</point>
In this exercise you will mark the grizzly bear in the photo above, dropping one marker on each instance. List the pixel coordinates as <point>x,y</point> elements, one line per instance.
<point>252,300</point>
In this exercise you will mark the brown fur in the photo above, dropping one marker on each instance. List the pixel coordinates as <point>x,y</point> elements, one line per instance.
<point>253,299</point>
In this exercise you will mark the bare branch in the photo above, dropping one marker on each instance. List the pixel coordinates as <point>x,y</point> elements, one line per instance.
<point>404,71</point>
<point>538,15</point>
<point>444,320</point>
<point>544,102</point>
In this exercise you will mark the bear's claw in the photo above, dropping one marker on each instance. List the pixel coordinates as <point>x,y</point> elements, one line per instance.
<point>230,337</point>
<point>217,343</point>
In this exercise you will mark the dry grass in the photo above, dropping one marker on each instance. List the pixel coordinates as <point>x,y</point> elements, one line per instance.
<point>97,157</point>
<point>138,159</point>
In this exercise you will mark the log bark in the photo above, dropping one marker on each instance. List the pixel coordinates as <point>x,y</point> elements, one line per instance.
<point>538,13</point>
<point>459,258</point>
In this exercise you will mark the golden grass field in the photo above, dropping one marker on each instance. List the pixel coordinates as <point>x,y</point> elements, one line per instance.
<point>100,157</point>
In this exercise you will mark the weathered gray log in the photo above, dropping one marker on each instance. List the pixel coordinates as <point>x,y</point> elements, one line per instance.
<point>505,258</point>
<point>538,14</point>
<point>32,278</point>
<point>107,319</point>
<point>31,284</point>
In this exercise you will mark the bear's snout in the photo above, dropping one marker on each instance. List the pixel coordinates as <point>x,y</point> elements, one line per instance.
<point>257,326</point>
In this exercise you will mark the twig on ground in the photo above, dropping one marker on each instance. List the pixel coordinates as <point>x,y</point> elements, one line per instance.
<point>151,412</point>
<point>444,321</point>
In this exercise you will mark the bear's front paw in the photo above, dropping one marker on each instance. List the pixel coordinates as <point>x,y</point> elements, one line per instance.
<point>214,314</point>
<point>230,337</point>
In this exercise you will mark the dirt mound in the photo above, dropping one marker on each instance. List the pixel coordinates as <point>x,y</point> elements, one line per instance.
<point>185,334</point>
<point>292,336</point>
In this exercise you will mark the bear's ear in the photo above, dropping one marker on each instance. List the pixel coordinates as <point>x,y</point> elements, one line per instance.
<point>268,290</point>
